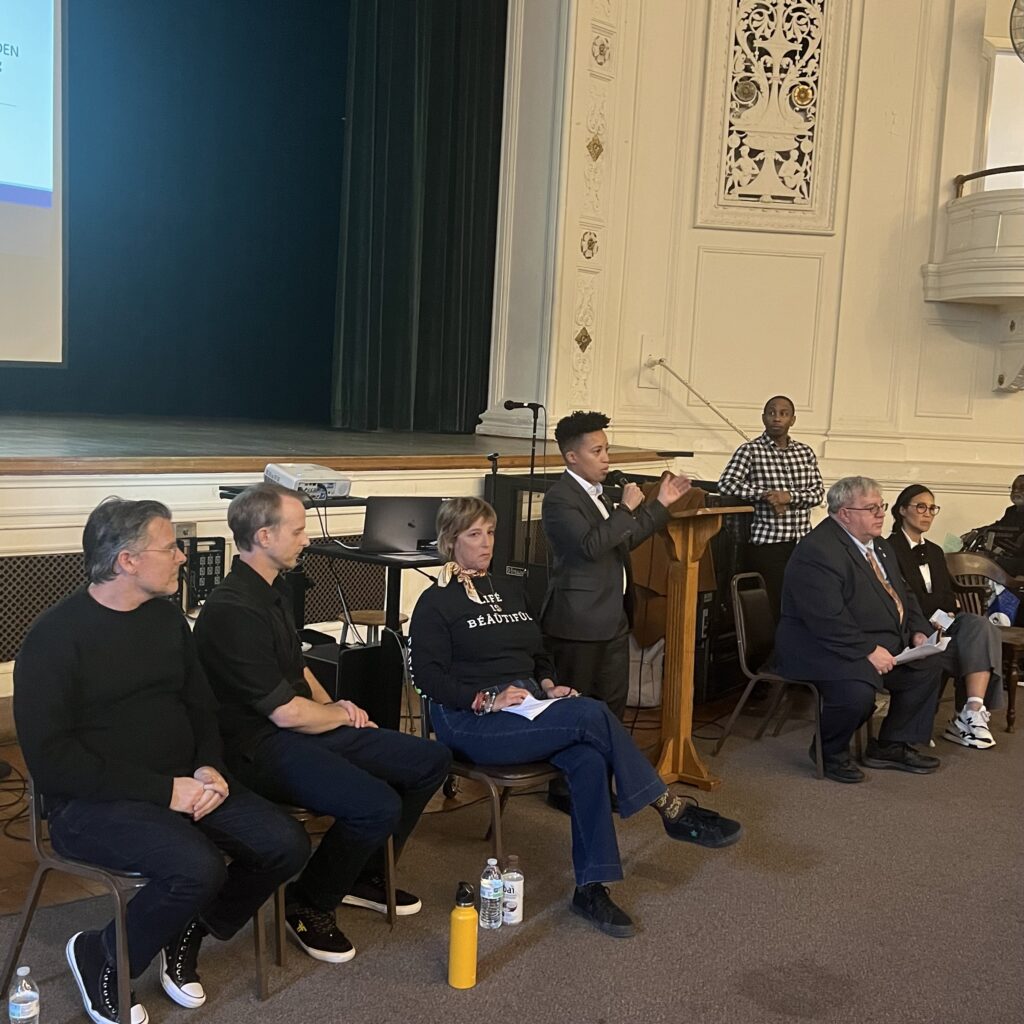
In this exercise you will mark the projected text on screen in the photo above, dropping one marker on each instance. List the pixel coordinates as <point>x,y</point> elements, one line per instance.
<point>26,102</point>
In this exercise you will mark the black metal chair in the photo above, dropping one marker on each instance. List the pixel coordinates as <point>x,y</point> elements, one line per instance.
<point>755,640</point>
<point>121,885</point>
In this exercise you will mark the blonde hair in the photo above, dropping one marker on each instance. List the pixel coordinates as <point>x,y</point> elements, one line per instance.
<point>455,516</point>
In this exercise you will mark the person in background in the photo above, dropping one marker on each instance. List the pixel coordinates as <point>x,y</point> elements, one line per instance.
<point>118,728</point>
<point>974,654</point>
<point>1003,540</point>
<point>477,655</point>
<point>780,478</point>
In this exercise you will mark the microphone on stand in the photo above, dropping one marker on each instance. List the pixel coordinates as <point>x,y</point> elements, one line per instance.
<point>510,405</point>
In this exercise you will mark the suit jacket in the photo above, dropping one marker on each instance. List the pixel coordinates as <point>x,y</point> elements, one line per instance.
<point>584,599</point>
<point>942,596</point>
<point>835,611</point>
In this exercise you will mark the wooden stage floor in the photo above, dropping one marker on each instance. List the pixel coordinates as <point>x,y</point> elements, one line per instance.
<point>36,445</point>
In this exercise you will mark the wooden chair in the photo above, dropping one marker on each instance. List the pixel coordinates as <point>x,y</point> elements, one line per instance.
<point>755,640</point>
<point>373,619</point>
<point>120,884</point>
<point>972,577</point>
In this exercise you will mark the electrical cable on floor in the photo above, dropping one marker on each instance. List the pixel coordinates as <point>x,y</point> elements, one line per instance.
<point>15,786</point>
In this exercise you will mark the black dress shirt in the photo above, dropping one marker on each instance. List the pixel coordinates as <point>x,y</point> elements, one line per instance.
<point>250,649</point>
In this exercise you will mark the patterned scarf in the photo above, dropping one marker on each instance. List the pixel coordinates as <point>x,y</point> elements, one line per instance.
<point>453,571</point>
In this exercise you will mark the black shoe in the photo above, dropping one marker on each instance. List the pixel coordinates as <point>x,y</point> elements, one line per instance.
<point>838,767</point>
<point>97,980</point>
<point>697,824</point>
<point>594,902</point>
<point>178,961</point>
<point>317,933</point>
<point>901,756</point>
<point>371,893</point>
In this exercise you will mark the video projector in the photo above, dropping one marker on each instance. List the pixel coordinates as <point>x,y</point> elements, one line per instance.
<point>316,481</point>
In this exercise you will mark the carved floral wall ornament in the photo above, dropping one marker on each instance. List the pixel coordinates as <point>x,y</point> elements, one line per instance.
<point>778,68</point>
<point>601,50</point>
<point>589,244</point>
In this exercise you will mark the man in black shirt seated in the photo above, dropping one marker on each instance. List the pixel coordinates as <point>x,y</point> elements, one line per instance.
<point>116,722</point>
<point>1003,540</point>
<point>290,742</point>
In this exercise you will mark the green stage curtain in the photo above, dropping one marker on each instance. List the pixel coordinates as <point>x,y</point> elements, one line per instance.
<point>418,214</point>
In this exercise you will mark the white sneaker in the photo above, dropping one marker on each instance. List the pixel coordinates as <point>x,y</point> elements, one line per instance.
<point>970,728</point>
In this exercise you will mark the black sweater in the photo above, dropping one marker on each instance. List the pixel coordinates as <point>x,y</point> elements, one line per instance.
<point>460,647</point>
<point>113,705</point>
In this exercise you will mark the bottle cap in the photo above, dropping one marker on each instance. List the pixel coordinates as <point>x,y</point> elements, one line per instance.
<point>512,860</point>
<point>492,860</point>
<point>22,972</point>
<point>464,895</point>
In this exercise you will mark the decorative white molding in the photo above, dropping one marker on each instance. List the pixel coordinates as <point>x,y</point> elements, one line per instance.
<point>776,73</point>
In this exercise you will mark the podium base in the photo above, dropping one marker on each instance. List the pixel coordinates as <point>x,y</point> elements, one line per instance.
<point>684,765</point>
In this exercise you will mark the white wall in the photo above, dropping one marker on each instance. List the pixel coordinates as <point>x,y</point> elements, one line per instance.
<point>829,308</point>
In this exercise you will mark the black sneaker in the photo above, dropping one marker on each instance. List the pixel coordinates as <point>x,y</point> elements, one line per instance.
<point>178,974</point>
<point>97,980</point>
<point>595,903</point>
<point>317,933</point>
<point>697,824</point>
<point>371,893</point>
<point>901,756</point>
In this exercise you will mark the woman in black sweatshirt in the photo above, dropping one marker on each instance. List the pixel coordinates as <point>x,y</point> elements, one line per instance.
<point>477,655</point>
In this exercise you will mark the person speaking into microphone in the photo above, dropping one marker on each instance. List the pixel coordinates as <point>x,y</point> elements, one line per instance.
<point>587,610</point>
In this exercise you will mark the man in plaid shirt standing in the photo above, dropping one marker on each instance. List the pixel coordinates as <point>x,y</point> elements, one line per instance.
<point>780,478</point>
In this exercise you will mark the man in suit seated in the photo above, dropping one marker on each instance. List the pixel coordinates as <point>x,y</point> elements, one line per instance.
<point>846,614</point>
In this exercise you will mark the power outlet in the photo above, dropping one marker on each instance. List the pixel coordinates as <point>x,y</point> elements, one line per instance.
<point>648,374</point>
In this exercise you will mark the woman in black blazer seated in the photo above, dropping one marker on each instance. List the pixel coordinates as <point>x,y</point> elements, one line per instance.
<point>974,654</point>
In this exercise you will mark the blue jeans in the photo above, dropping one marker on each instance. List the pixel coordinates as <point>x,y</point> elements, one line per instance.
<point>184,862</point>
<point>373,782</point>
<point>588,743</point>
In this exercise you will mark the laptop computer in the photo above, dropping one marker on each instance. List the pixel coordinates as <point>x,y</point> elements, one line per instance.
<point>405,525</point>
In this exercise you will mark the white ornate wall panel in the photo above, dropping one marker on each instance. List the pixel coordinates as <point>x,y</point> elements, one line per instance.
<point>773,114</point>
<point>947,370</point>
<point>741,297</point>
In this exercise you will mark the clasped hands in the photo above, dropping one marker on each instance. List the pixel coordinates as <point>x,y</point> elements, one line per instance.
<point>513,695</point>
<point>205,791</point>
<point>778,500</point>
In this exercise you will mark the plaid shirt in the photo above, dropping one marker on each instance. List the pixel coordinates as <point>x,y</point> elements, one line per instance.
<point>761,465</point>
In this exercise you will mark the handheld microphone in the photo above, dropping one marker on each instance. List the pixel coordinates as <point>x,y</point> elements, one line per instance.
<point>510,405</point>
<point>617,478</point>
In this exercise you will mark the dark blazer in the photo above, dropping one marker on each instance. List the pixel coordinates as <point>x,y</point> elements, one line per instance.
<point>584,599</point>
<point>835,611</point>
<point>942,596</point>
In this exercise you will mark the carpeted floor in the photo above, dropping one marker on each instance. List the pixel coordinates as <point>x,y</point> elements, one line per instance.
<point>898,900</point>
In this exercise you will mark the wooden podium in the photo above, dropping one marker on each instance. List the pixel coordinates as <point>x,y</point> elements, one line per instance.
<point>688,532</point>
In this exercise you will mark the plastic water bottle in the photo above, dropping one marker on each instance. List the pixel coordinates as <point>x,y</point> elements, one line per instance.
<point>512,897</point>
<point>491,887</point>
<point>23,999</point>
<point>462,939</point>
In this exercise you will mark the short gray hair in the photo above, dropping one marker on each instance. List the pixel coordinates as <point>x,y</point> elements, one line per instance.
<point>113,526</point>
<point>256,507</point>
<point>842,492</point>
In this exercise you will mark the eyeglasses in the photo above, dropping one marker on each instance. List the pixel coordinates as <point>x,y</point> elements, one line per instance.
<point>921,508</point>
<point>873,509</point>
<point>173,549</point>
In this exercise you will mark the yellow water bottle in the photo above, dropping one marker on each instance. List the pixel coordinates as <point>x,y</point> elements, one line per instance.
<point>462,939</point>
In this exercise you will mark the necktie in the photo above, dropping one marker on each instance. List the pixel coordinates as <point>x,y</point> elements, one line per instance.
<point>606,501</point>
<point>870,556</point>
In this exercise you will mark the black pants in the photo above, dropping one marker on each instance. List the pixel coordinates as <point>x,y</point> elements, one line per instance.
<point>770,561</point>
<point>848,703</point>
<point>184,862</point>
<point>373,782</point>
<point>597,668</point>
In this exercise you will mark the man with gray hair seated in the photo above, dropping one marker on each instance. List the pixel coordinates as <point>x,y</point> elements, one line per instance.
<point>846,614</point>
